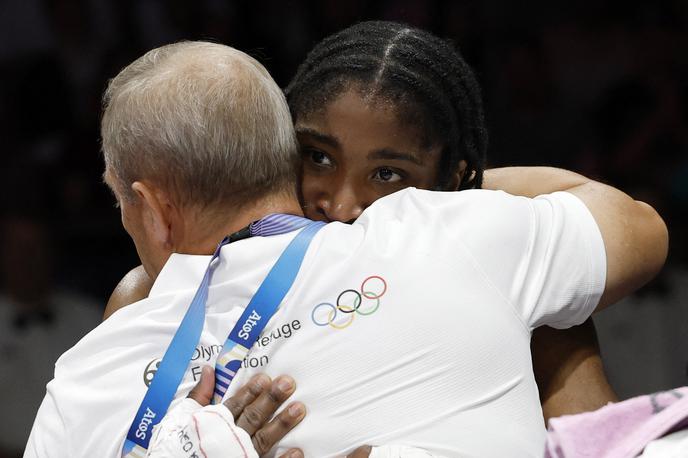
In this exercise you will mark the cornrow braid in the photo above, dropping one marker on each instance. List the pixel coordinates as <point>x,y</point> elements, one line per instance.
<point>424,76</point>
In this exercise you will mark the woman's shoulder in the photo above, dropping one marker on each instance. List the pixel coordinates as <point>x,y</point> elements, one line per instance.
<point>133,287</point>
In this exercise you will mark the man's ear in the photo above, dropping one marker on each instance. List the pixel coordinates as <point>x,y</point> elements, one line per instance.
<point>156,213</point>
<point>457,177</point>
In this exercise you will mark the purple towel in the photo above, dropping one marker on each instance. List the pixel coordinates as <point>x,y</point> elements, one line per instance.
<point>618,430</point>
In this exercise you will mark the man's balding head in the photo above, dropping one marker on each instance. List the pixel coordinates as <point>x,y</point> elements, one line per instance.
<point>203,121</point>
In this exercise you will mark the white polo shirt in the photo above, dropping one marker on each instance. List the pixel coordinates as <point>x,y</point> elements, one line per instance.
<point>446,289</point>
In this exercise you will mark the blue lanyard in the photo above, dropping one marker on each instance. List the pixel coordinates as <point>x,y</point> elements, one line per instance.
<point>259,311</point>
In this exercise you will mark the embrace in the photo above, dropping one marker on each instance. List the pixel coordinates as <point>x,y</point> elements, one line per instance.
<point>363,250</point>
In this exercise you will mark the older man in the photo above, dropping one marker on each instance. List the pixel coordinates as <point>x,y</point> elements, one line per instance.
<point>409,326</point>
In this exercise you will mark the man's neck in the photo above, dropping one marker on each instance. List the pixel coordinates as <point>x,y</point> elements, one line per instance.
<point>205,241</point>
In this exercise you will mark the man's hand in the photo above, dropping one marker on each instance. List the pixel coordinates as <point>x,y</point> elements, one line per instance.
<point>254,405</point>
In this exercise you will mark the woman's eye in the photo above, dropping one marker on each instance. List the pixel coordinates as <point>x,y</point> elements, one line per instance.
<point>318,157</point>
<point>387,175</point>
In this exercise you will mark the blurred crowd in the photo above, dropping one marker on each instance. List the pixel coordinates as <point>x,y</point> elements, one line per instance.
<point>597,87</point>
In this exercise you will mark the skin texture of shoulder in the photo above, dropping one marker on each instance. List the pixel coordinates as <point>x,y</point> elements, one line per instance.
<point>132,288</point>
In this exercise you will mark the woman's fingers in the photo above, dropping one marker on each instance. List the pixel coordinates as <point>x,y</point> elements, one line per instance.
<point>247,394</point>
<point>257,413</point>
<point>267,436</point>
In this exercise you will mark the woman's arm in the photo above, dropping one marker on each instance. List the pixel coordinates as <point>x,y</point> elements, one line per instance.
<point>568,370</point>
<point>567,363</point>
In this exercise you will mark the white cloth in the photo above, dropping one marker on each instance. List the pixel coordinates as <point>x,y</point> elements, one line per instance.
<point>399,451</point>
<point>440,362</point>
<point>190,430</point>
<point>673,445</point>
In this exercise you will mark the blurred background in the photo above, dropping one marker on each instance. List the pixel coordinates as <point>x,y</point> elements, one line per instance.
<point>593,86</point>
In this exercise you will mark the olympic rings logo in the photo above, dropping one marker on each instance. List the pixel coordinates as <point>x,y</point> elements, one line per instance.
<point>350,303</point>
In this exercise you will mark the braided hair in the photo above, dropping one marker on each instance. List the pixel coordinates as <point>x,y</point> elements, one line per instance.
<point>425,78</point>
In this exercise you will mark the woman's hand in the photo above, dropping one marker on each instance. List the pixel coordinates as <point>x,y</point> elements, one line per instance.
<point>254,405</point>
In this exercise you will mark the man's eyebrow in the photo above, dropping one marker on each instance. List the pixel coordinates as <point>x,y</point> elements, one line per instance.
<point>391,154</point>
<point>319,136</point>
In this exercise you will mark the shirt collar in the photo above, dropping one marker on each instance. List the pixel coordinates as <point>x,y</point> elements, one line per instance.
<point>185,271</point>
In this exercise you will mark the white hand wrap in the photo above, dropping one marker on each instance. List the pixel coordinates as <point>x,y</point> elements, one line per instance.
<point>192,431</point>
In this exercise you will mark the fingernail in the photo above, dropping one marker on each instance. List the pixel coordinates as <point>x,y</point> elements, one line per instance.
<point>261,381</point>
<point>296,410</point>
<point>285,384</point>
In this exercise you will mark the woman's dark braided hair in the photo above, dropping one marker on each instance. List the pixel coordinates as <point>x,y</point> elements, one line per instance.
<point>425,78</point>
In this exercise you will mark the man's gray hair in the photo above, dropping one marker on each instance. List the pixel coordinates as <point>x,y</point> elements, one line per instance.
<point>202,120</point>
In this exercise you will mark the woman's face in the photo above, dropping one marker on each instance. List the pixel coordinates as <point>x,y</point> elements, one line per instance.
<point>356,151</point>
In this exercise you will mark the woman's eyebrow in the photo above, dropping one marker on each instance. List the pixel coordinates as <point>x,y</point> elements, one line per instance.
<point>391,154</point>
<point>319,136</point>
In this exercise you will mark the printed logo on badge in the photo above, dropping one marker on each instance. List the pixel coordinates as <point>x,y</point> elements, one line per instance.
<point>150,370</point>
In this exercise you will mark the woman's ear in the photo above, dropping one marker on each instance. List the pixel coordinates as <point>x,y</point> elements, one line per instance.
<point>457,177</point>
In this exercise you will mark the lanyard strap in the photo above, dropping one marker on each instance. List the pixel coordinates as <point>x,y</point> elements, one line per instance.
<point>180,351</point>
<point>259,311</point>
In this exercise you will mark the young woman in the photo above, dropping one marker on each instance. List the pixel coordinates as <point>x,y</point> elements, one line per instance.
<point>381,106</point>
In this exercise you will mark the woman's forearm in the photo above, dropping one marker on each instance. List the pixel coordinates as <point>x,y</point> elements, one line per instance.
<point>531,181</point>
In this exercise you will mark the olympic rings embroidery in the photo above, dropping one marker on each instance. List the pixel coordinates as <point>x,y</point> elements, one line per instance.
<point>350,303</point>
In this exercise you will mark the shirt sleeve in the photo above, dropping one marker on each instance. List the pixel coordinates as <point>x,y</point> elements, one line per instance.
<point>544,256</point>
<point>547,257</point>
<point>570,263</point>
<point>48,436</point>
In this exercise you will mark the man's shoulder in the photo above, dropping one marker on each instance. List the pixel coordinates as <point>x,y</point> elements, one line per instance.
<point>118,335</point>
<point>425,197</point>
<point>479,206</point>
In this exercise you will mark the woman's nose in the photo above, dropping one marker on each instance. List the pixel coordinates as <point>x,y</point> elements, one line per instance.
<point>345,205</point>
